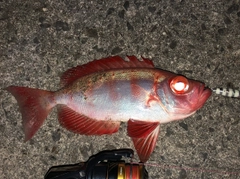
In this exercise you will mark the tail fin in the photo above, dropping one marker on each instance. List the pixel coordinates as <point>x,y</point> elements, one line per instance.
<point>35,105</point>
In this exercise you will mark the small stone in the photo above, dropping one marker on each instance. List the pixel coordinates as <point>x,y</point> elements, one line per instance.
<point>116,50</point>
<point>36,41</point>
<point>41,19</point>
<point>44,9</point>
<point>60,25</point>
<point>48,69</point>
<point>169,132</point>
<point>238,14</point>
<point>83,40</point>
<point>210,129</point>
<point>129,26</point>
<point>151,9</point>
<point>159,13</point>
<point>194,17</point>
<point>205,156</point>
<point>199,117</point>
<point>182,174</point>
<point>51,157</point>
<point>90,32</point>
<point>222,31</point>
<point>183,125</point>
<point>45,25</point>
<point>203,26</point>
<point>97,48</point>
<point>56,135</point>
<point>168,172</point>
<point>126,5</point>
<point>110,11</point>
<point>121,14</point>
<point>227,20</point>
<point>173,44</point>
<point>233,8</point>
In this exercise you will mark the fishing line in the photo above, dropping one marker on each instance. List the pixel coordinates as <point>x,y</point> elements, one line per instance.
<point>229,92</point>
<point>192,169</point>
<point>162,166</point>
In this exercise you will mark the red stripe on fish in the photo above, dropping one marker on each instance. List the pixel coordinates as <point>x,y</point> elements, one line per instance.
<point>112,88</point>
<point>136,90</point>
<point>150,98</point>
<point>153,96</point>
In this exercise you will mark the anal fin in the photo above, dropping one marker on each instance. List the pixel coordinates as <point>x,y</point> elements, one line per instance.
<point>144,136</point>
<point>81,124</point>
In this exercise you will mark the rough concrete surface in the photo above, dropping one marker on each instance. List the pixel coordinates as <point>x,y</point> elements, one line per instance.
<point>200,39</point>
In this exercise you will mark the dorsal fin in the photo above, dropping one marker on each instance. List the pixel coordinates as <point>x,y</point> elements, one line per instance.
<point>115,62</point>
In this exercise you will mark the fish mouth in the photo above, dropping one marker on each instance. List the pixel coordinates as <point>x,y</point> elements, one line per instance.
<point>205,93</point>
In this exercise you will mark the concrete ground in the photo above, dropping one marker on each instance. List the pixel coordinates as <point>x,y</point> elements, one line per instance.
<point>200,39</point>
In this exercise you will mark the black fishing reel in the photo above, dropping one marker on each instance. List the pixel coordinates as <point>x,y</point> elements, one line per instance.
<point>104,165</point>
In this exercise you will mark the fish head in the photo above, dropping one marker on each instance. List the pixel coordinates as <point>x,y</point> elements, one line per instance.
<point>181,97</point>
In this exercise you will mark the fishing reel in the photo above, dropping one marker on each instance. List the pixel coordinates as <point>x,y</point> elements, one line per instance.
<point>104,165</point>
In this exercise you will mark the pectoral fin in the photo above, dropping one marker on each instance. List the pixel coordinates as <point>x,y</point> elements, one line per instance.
<point>144,136</point>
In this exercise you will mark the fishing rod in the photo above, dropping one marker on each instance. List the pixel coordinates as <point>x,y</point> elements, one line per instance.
<point>110,165</point>
<point>104,165</point>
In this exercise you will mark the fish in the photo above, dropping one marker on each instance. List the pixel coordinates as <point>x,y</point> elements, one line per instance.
<point>96,97</point>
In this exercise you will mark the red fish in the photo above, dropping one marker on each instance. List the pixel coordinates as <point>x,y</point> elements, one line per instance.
<point>98,96</point>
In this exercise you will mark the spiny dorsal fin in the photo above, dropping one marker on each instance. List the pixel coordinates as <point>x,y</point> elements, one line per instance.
<point>115,62</point>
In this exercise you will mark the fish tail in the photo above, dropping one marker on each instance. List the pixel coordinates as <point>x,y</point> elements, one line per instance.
<point>35,105</point>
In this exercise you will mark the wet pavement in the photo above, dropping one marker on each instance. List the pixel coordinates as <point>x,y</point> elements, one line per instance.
<point>39,40</point>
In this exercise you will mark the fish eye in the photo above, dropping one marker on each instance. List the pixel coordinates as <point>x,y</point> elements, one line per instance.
<point>179,85</point>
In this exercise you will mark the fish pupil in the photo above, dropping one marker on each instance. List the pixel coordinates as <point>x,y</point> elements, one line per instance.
<point>179,85</point>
